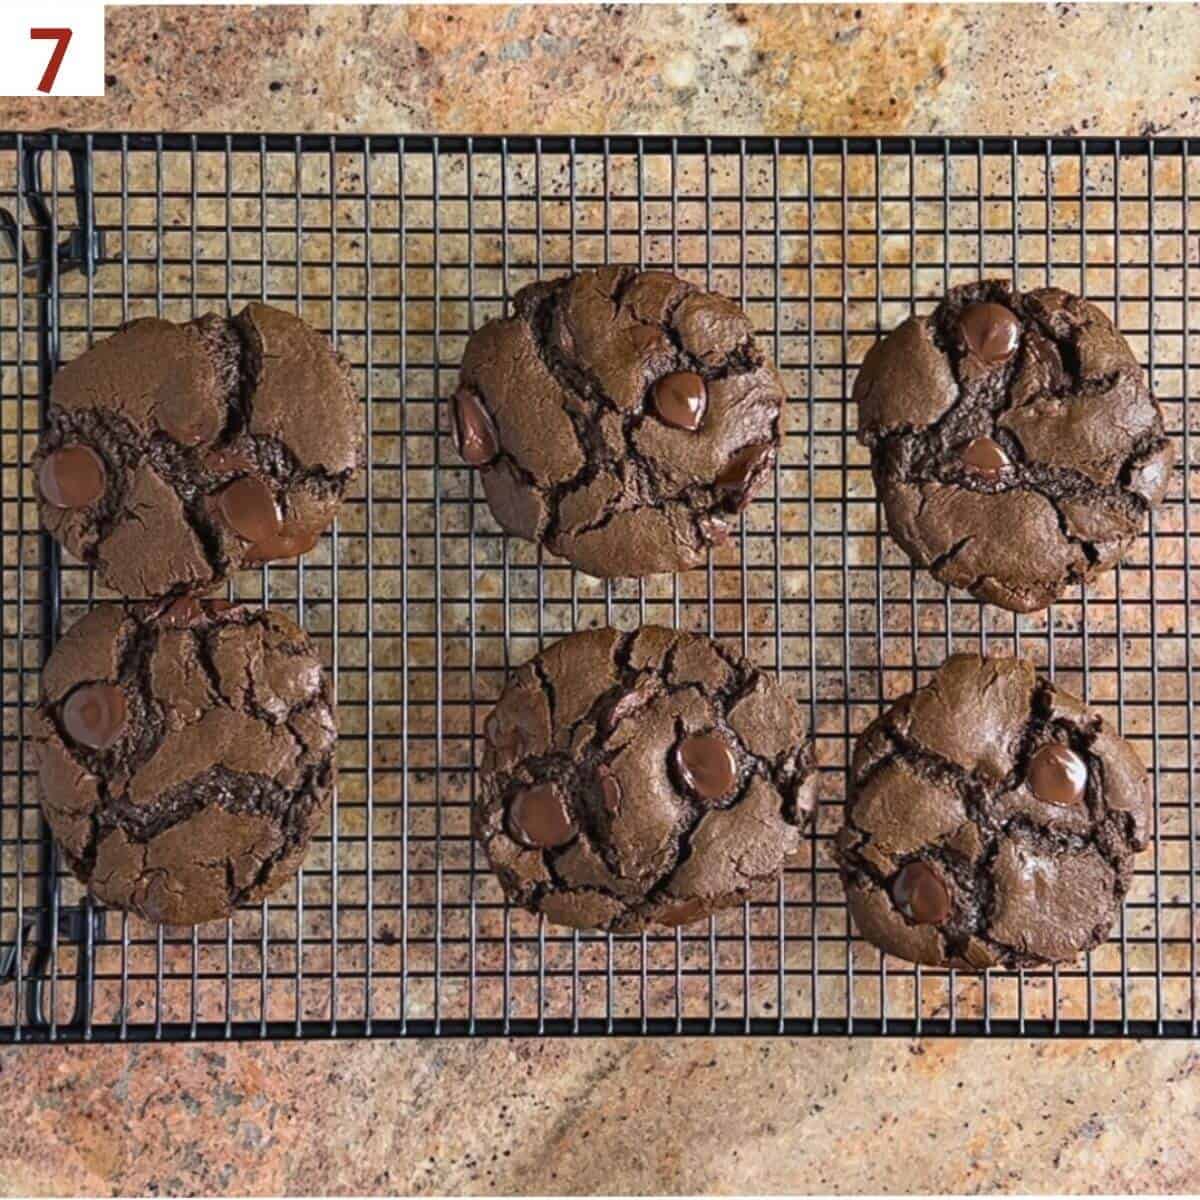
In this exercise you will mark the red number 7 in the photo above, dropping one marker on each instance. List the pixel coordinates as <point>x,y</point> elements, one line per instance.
<point>63,38</point>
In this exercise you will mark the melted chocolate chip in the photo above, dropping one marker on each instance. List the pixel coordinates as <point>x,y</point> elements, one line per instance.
<point>1058,775</point>
<point>985,458</point>
<point>681,399</point>
<point>538,817</point>
<point>921,895</point>
<point>707,765</point>
<point>991,331</point>
<point>72,477</point>
<point>742,469</point>
<point>94,715</point>
<point>285,542</point>
<point>249,509</point>
<point>474,430</point>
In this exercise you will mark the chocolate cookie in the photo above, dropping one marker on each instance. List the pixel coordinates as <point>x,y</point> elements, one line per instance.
<point>622,418</point>
<point>1015,445</point>
<point>638,778</point>
<point>991,820</point>
<point>186,757</point>
<point>175,454</point>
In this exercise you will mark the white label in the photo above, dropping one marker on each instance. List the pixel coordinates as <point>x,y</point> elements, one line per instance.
<point>51,49</point>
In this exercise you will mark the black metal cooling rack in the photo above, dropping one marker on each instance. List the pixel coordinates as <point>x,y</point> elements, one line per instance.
<point>399,246</point>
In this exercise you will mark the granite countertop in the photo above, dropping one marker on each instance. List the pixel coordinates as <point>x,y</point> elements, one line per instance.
<point>621,1116</point>
<point>836,69</point>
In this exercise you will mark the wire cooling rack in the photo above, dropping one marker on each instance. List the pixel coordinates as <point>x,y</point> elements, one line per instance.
<point>400,246</point>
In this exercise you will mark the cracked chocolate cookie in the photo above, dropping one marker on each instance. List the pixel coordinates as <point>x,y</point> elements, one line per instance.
<point>991,820</point>
<point>1014,442</point>
<point>186,755</point>
<point>175,454</point>
<point>641,778</point>
<point>622,418</point>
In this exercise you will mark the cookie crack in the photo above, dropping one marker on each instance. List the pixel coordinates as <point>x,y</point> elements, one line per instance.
<point>944,559</point>
<point>202,642</point>
<point>547,685</point>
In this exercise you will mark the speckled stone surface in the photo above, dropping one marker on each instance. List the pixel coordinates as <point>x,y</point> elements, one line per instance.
<point>589,1116</point>
<point>672,69</point>
<point>618,1117</point>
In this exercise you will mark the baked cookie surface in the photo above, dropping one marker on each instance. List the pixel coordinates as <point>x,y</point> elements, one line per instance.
<point>641,778</point>
<point>991,820</point>
<point>176,454</point>
<point>622,418</point>
<point>1015,445</point>
<point>186,755</point>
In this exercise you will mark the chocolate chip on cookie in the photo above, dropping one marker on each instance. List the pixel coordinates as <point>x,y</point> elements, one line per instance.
<point>186,755</point>
<point>1014,442</point>
<point>72,477</point>
<point>992,820</point>
<point>175,454</point>
<point>622,418</point>
<point>641,778</point>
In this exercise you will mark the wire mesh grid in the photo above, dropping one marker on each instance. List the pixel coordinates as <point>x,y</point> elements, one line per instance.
<point>399,247</point>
